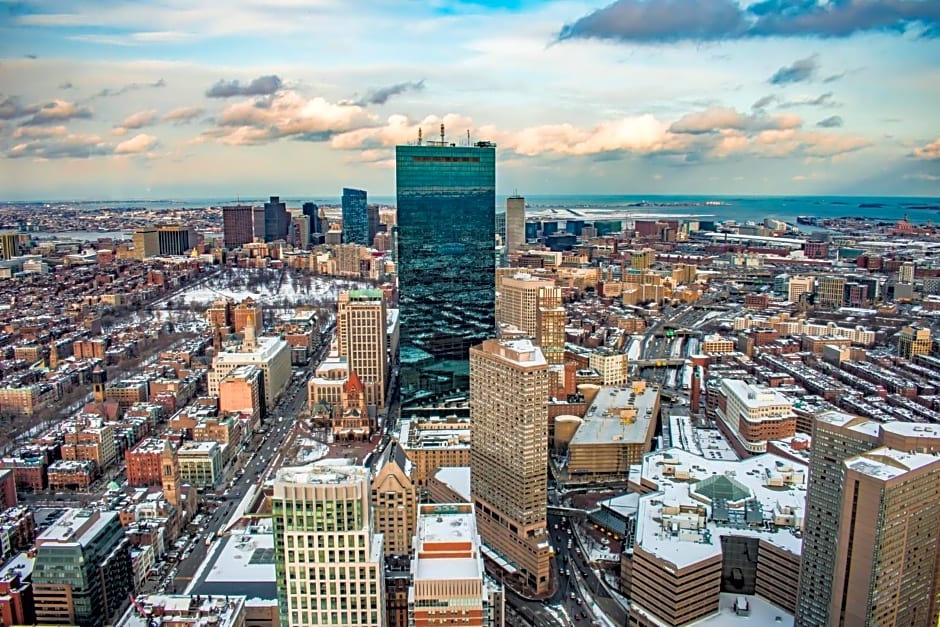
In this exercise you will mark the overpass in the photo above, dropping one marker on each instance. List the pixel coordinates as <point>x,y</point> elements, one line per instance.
<point>657,363</point>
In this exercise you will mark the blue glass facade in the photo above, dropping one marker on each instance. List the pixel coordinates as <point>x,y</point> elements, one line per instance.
<point>276,220</point>
<point>446,263</point>
<point>355,217</point>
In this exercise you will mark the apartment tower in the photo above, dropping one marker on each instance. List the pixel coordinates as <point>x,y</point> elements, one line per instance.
<point>509,387</point>
<point>328,563</point>
<point>447,259</point>
<point>361,336</point>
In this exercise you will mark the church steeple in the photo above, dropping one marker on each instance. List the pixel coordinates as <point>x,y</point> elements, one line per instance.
<point>250,342</point>
<point>170,475</point>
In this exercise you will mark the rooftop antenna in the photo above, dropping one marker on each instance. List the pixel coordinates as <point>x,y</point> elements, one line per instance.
<point>419,136</point>
<point>442,133</point>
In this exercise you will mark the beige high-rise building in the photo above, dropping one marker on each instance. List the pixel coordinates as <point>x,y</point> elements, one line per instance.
<point>830,291</point>
<point>327,561</point>
<point>270,354</point>
<point>515,223</point>
<point>613,366</point>
<point>642,259</point>
<point>799,285</point>
<point>448,582</point>
<point>887,551</point>
<point>395,501</point>
<point>361,337</point>
<point>518,301</point>
<point>509,387</point>
<point>146,243</point>
<point>913,341</point>
<point>534,306</point>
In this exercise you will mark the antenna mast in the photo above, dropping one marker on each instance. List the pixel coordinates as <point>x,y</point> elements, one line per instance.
<point>468,136</point>
<point>419,136</point>
<point>442,133</point>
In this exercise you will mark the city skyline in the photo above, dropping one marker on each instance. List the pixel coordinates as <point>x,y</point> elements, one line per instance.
<point>156,100</point>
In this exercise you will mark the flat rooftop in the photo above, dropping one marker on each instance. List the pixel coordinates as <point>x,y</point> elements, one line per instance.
<point>603,424</point>
<point>323,472</point>
<point>457,478</point>
<point>762,613</point>
<point>268,347</point>
<point>435,434</point>
<point>755,396</point>
<point>243,564</point>
<point>887,463</point>
<point>445,526</point>
<point>701,499</point>
<point>183,609</point>
<point>76,526</point>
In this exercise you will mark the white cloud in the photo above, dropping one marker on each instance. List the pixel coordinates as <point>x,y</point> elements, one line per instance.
<point>929,151</point>
<point>136,121</point>
<point>287,114</point>
<point>140,143</point>
<point>182,115</point>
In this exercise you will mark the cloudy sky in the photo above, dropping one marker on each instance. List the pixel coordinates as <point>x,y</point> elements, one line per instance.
<point>107,99</point>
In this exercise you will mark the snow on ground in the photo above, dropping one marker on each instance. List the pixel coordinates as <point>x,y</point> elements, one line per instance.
<point>636,348</point>
<point>311,450</point>
<point>302,289</point>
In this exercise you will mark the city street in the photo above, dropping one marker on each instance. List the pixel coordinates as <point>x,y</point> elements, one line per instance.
<point>255,466</point>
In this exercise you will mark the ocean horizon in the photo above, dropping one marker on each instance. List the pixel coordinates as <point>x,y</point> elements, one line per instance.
<point>722,207</point>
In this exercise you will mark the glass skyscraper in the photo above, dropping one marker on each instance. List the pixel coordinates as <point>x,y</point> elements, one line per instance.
<point>355,217</point>
<point>276,220</point>
<point>446,264</point>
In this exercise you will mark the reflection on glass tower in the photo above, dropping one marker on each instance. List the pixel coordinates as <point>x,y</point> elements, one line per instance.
<point>446,231</point>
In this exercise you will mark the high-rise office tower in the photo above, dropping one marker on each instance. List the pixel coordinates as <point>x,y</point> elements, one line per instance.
<point>372,212</point>
<point>830,291</point>
<point>446,261</point>
<point>146,243</point>
<point>887,551</point>
<point>797,286</point>
<point>394,501</point>
<point>257,223</point>
<point>328,564</point>
<point>836,437</point>
<point>827,564</point>
<point>509,388</point>
<point>355,217</point>
<point>913,341</point>
<point>312,212</point>
<point>300,225</point>
<point>175,239</point>
<point>448,582</point>
<point>515,223</point>
<point>237,226</point>
<point>10,244</point>
<point>533,305</point>
<point>82,574</point>
<point>361,336</point>
<point>276,220</point>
